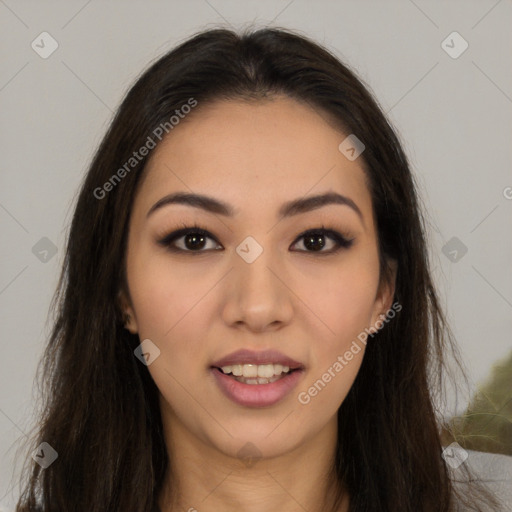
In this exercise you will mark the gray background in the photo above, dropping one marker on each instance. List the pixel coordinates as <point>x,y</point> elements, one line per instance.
<point>453,114</point>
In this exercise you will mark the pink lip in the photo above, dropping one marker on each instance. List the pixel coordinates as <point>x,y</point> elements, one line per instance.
<point>263,357</point>
<point>256,395</point>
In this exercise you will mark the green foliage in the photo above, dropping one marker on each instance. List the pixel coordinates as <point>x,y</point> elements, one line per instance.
<point>487,423</point>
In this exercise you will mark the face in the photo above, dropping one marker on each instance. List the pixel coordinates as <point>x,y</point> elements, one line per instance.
<point>290,285</point>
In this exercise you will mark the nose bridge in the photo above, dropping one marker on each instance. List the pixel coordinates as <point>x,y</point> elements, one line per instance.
<point>253,267</point>
<point>258,297</point>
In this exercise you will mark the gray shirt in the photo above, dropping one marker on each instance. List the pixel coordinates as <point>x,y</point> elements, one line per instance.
<point>493,470</point>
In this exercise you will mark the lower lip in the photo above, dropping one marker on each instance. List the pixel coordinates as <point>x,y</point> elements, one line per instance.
<point>256,395</point>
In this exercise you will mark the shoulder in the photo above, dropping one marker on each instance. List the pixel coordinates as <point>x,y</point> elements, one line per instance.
<point>494,471</point>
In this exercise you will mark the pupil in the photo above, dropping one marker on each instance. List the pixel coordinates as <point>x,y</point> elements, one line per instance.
<point>193,238</point>
<point>312,242</point>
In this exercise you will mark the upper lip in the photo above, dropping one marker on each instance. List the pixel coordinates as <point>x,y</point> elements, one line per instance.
<point>263,357</point>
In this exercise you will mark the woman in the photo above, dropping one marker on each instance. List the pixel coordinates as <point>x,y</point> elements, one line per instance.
<point>246,317</point>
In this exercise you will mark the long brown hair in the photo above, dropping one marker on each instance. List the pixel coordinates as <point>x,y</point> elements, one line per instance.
<point>100,406</point>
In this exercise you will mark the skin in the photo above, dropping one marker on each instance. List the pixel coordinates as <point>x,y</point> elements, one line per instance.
<point>197,308</point>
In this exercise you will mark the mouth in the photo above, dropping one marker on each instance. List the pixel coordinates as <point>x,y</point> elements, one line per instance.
<point>256,374</point>
<point>256,379</point>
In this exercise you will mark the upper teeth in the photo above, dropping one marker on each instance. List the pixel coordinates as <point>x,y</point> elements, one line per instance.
<point>255,370</point>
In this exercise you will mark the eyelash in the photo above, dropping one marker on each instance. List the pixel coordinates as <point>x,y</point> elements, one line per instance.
<point>341,241</point>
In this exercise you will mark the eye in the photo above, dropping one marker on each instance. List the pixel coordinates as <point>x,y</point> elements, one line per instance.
<point>191,239</point>
<point>194,239</point>
<point>314,240</point>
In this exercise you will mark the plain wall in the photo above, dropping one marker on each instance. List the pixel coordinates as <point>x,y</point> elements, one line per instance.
<point>453,114</point>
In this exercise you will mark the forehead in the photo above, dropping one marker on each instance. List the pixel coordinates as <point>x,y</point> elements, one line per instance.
<point>252,155</point>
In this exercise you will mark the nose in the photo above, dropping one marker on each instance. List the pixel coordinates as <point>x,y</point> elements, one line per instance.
<point>258,297</point>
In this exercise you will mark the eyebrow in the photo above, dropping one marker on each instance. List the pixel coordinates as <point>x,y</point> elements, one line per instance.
<point>288,209</point>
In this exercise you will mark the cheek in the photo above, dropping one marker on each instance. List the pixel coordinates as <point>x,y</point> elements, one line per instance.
<point>174,307</point>
<point>351,307</point>
<point>343,298</point>
<point>169,306</point>
<point>165,296</point>
<point>336,357</point>
<point>345,303</point>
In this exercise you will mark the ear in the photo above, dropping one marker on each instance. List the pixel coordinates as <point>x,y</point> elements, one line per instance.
<point>385,293</point>
<point>130,321</point>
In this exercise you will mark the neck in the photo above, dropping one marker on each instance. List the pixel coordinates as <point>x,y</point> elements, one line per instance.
<point>201,478</point>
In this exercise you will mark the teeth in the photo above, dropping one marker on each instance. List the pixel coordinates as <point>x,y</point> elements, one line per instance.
<point>258,380</point>
<point>235,370</point>
<point>250,370</point>
<point>256,371</point>
<point>265,370</point>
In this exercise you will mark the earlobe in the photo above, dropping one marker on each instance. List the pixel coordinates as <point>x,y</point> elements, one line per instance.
<point>129,320</point>
<point>130,323</point>
<point>386,292</point>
